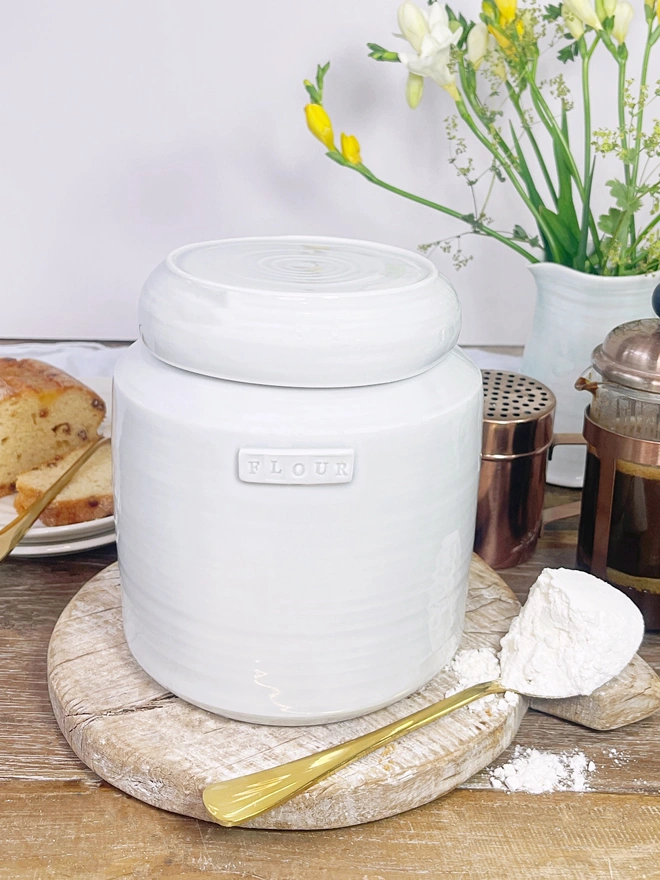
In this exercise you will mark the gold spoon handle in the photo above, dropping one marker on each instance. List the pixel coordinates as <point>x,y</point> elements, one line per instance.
<point>13,533</point>
<point>238,800</point>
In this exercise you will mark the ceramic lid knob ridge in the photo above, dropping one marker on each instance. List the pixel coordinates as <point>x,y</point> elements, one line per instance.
<point>299,311</point>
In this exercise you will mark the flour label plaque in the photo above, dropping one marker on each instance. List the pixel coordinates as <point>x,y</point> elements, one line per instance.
<point>291,467</point>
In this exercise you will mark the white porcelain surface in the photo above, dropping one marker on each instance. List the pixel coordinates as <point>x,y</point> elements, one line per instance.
<point>574,313</point>
<point>41,534</point>
<point>299,311</point>
<point>284,603</point>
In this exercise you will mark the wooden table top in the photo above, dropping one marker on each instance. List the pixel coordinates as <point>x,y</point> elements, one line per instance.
<point>60,820</point>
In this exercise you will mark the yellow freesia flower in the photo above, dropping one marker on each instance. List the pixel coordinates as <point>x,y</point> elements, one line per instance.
<point>350,149</point>
<point>320,125</point>
<point>502,41</point>
<point>488,9</point>
<point>507,10</point>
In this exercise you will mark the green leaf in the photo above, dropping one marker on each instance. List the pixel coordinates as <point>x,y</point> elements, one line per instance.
<point>625,196</point>
<point>565,206</point>
<point>564,242</point>
<point>568,53</point>
<point>549,244</point>
<point>580,261</point>
<point>609,222</point>
<point>552,13</point>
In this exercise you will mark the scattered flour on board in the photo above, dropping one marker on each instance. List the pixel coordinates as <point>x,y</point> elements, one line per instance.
<point>475,666</point>
<point>536,772</point>
<point>528,770</point>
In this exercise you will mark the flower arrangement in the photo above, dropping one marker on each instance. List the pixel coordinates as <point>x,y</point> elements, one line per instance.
<point>491,66</point>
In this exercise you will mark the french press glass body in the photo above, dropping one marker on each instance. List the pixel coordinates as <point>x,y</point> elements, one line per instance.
<point>619,532</point>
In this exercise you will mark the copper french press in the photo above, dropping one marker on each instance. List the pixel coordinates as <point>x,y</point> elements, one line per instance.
<point>619,531</point>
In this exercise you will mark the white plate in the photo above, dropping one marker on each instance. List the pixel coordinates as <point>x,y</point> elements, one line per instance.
<point>41,534</point>
<point>30,550</point>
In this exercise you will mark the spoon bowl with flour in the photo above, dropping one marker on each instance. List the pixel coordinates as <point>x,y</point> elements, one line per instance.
<point>574,633</point>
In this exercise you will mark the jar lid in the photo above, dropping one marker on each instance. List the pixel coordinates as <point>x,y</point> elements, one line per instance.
<point>630,355</point>
<point>299,311</point>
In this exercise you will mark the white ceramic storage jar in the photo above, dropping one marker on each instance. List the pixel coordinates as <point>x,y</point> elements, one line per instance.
<point>296,455</point>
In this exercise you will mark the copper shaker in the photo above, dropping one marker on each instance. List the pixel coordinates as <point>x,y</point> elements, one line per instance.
<point>517,434</point>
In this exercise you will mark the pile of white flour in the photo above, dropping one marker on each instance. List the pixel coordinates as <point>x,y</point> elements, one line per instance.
<point>537,772</point>
<point>574,633</point>
<point>529,769</point>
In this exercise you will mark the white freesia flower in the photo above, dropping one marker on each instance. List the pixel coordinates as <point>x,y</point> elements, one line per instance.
<point>477,44</point>
<point>584,11</point>
<point>623,15</point>
<point>572,22</point>
<point>432,61</point>
<point>413,24</point>
<point>609,7</point>
<point>431,37</point>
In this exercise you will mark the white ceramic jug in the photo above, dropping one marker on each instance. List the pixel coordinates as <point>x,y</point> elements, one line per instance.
<point>296,458</point>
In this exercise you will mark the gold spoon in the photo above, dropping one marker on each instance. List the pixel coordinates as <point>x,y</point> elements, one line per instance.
<point>235,801</point>
<point>13,534</point>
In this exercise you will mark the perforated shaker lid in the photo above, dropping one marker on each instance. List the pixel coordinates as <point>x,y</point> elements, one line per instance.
<point>299,311</point>
<point>518,414</point>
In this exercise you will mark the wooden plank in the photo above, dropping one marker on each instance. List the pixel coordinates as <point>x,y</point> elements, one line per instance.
<point>98,833</point>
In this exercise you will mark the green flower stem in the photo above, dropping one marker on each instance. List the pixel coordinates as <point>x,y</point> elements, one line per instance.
<point>477,226</point>
<point>515,100</point>
<point>624,137</point>
<point>585,55</point>
<point>640,122</point>
<point>482,114</point>
<point>506,166</point>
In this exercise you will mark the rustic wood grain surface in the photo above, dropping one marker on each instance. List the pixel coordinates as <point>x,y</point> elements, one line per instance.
<point>147,742</point>
<point>58,820</point>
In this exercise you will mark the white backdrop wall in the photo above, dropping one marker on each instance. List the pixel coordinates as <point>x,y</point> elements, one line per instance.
<point>134,126</point>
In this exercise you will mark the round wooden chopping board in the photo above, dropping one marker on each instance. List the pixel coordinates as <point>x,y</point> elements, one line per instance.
<point>154,746</point>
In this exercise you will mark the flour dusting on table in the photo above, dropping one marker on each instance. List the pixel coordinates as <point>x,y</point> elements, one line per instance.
<point>534,771</point>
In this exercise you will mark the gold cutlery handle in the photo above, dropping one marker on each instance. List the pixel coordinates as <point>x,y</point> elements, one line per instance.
<point>13,533</point>
<point>237,800</point>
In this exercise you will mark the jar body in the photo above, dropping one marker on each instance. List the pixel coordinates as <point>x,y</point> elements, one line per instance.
<point>294,602</point>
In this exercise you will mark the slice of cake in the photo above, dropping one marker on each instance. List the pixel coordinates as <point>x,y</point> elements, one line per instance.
<point>44,413</point>
<point>88,495</point>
